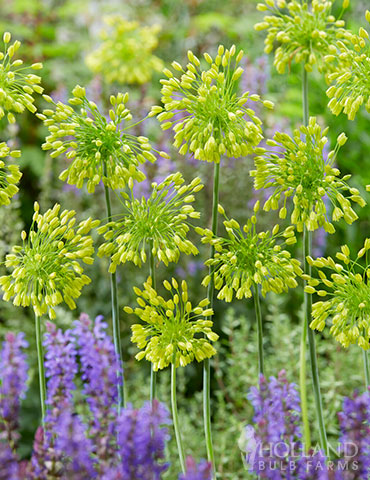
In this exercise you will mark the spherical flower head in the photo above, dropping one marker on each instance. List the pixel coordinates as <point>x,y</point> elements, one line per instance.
<point>99,149</point>
<point>346,285</point>
<point>46,269</point>
<point>9,174</point>
<point>160,222</point>
<point>174,331</point>
<point>246,258</point>
<point>125,54</point>
<point>207,115</point>
<point>17,87</point>
<point>201,471</point>
<point>303,172</point>
<point>306,32</point>
<point>351,87</point>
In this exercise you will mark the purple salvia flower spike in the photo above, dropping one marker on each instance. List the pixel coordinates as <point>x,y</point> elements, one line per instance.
<point>194,471</point>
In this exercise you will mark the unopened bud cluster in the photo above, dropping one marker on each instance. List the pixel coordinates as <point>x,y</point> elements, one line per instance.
<point>246,258</point>
<point>17,87</point>
<point>306,33</point>
<point>9,174</point>
<point>303,172</point>
<point>125,54</point>
<point>160,222</point>
<point>215,121</point>
<point>174,331</point>
<point>46,269</point>
<point>346,284</point>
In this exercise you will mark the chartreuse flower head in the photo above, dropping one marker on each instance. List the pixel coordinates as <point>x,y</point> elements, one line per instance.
<point>17,87</point>
<point>98,149</point>
<point>46,269</point>
<point>9,174</point>
<point>160,222</point>
<point>303,172</point>
<point>246,258</point>
<point>174,331</point>
<point>125,55</point>
<point>307,32</point>
<point>202,106</point>
<point>351,86</point>
<point>348,290</point>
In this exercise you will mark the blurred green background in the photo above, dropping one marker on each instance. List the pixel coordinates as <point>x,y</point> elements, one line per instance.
<point>62,34</point>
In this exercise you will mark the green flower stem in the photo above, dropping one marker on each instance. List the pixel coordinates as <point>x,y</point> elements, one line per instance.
<point>153,373</point>
<point>40,359</point>
<point>175,416</point>
<point>206,363</point>
<point>366,367</point>
<point>115,311</point>
<point>257,307</point>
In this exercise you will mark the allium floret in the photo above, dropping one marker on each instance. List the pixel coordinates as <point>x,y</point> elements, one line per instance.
<point>99,149</point>
<point>46,269</point>
<point>303,172</point>
<point>9,174</point>
<point>17,87</point>
<point>351,87</point>
<point>160,222</point>
<point>194,471</point>
<point>215,121</point>
<point>125,55</point>
<point>245,258</point>
<point>348,290</point>
<point>174,331</point>
<point>307,33</point>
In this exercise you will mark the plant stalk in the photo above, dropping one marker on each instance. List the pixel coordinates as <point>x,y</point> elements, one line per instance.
<point>206,363</point>
<point>115,312</point>
<point>41,367</point>
<point>257,306</point>
<point>366,368</point>
<point>175,417</point>
<point>153,374</point>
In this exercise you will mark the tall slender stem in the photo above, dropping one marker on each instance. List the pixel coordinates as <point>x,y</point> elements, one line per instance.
<point>307,242</point>
<point>40,360</point>
<point>175,416</point>
<point>153,373</point>
<point>115,312</point>
<point>366,367</point>
<point>257,307</point>
<point>206,363</point>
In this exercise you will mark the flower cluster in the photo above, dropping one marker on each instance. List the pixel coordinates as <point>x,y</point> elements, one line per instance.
<point>351,86</point>
<point>159,223</point>
<point>202,471</point>
<point>17,87</point>
<point>209,118</point>
<point>302,171</point>
<point>46,268</point>
<point>9,174</point>
<point>306,32</point>
<point>125,55</point>
<point>349,289</point>
<point>172,329</point>
<point>99,149</point>
<point>246,258</point>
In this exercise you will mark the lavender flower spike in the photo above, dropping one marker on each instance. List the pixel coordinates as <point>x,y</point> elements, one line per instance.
<point>202,471</point>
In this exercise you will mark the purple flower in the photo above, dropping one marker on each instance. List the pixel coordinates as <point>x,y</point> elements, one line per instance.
<point>142,436</point>
<point>202,471</point>
<point>14,374</point>
<point>9,464</point>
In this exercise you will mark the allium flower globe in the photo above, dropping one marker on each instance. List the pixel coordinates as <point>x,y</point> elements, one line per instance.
<point>46,269</point>
<point>125,54</point>
<point>17,87</point>
<point>174,331</point>
<point>302,172</point>
<point>9,174</point>
<point>307,33</point>
<point>346,285</point>
<point>246,258</point>
<point>204,110</point>
<point>160,222</point>
<point>99,150</point>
